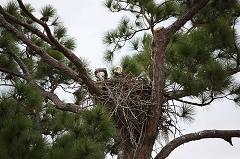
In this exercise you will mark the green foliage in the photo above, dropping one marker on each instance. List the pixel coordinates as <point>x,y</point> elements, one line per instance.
<point>222,33</point>
<point>186,112</point>
<point>166,10</point>
<point>42,70</point>
<point>69,43</point>
<point>28,97</point>
<point>7,40</point>
<point>6,62</point>
<point>122,31</point>
<point>29,8</point>
<point>141,61</point>
<point>131,66</point>
<point>60,31</point>
<point>19,136</point>
<point>12,8</point>
<point>213,76</point>
<point>48,11</point>
<point>192,66</point>
<point>88,138</point>
<point>30,125</point>
<point>68,135</point>
<point>108,55</point>
<point>55,54</point>
<point>198,60</point>
<point>80,94</point>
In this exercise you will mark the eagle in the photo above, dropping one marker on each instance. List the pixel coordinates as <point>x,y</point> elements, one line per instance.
<point>101,74</point>
<point>117,71</point>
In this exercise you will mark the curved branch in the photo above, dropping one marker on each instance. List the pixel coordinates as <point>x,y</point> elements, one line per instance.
<point>59,104</point>
<point>226,135</point>
<point>197,104</point>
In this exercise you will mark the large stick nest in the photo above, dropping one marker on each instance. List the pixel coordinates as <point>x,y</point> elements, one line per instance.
<point>129,100</point>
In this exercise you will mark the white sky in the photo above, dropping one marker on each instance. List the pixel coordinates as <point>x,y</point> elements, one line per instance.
<point>88,20</point>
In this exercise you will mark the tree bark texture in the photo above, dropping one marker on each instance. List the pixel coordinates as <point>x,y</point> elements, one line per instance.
<point>144,150</point>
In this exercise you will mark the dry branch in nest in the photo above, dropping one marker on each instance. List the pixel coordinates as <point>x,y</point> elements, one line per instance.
<point>129,101</point>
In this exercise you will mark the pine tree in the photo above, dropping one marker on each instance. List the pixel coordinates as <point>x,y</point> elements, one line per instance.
<point>127,113</point>
<point>30,124</point>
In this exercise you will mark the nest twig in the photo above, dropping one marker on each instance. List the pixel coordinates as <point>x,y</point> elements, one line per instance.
<point>129,101</point>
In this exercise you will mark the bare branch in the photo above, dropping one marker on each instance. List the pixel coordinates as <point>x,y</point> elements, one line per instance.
<point>59,104</point>
<point>196,104</point>
<point>226,135</point>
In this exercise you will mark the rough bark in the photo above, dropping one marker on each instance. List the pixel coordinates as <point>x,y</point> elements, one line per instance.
<point>144,149</point>
<point>161,39</point>
<point>226,135</point>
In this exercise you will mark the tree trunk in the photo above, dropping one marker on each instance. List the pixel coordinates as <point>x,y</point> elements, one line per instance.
<point>144,149</point>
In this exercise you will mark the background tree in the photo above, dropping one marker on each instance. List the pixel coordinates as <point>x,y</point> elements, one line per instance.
<point>30,126</point>
<point>170,63</point>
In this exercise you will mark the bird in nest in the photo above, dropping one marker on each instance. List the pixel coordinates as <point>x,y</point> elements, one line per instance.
<point>101,74</point>
<point>117,71</point>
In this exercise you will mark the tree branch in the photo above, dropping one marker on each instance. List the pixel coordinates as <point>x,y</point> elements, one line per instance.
<point>11,19</point>
<point>196,104</point>
<point>226,135</point>
<point>176,94</point>
<point>190,13</point>
<point>68,53</point>
<point>11,72</point>
<point>46,58</point>
<point>22,66</point>
<point>59,104</point>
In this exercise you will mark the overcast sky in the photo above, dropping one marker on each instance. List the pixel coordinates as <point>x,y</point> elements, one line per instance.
<point>88,20</point>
